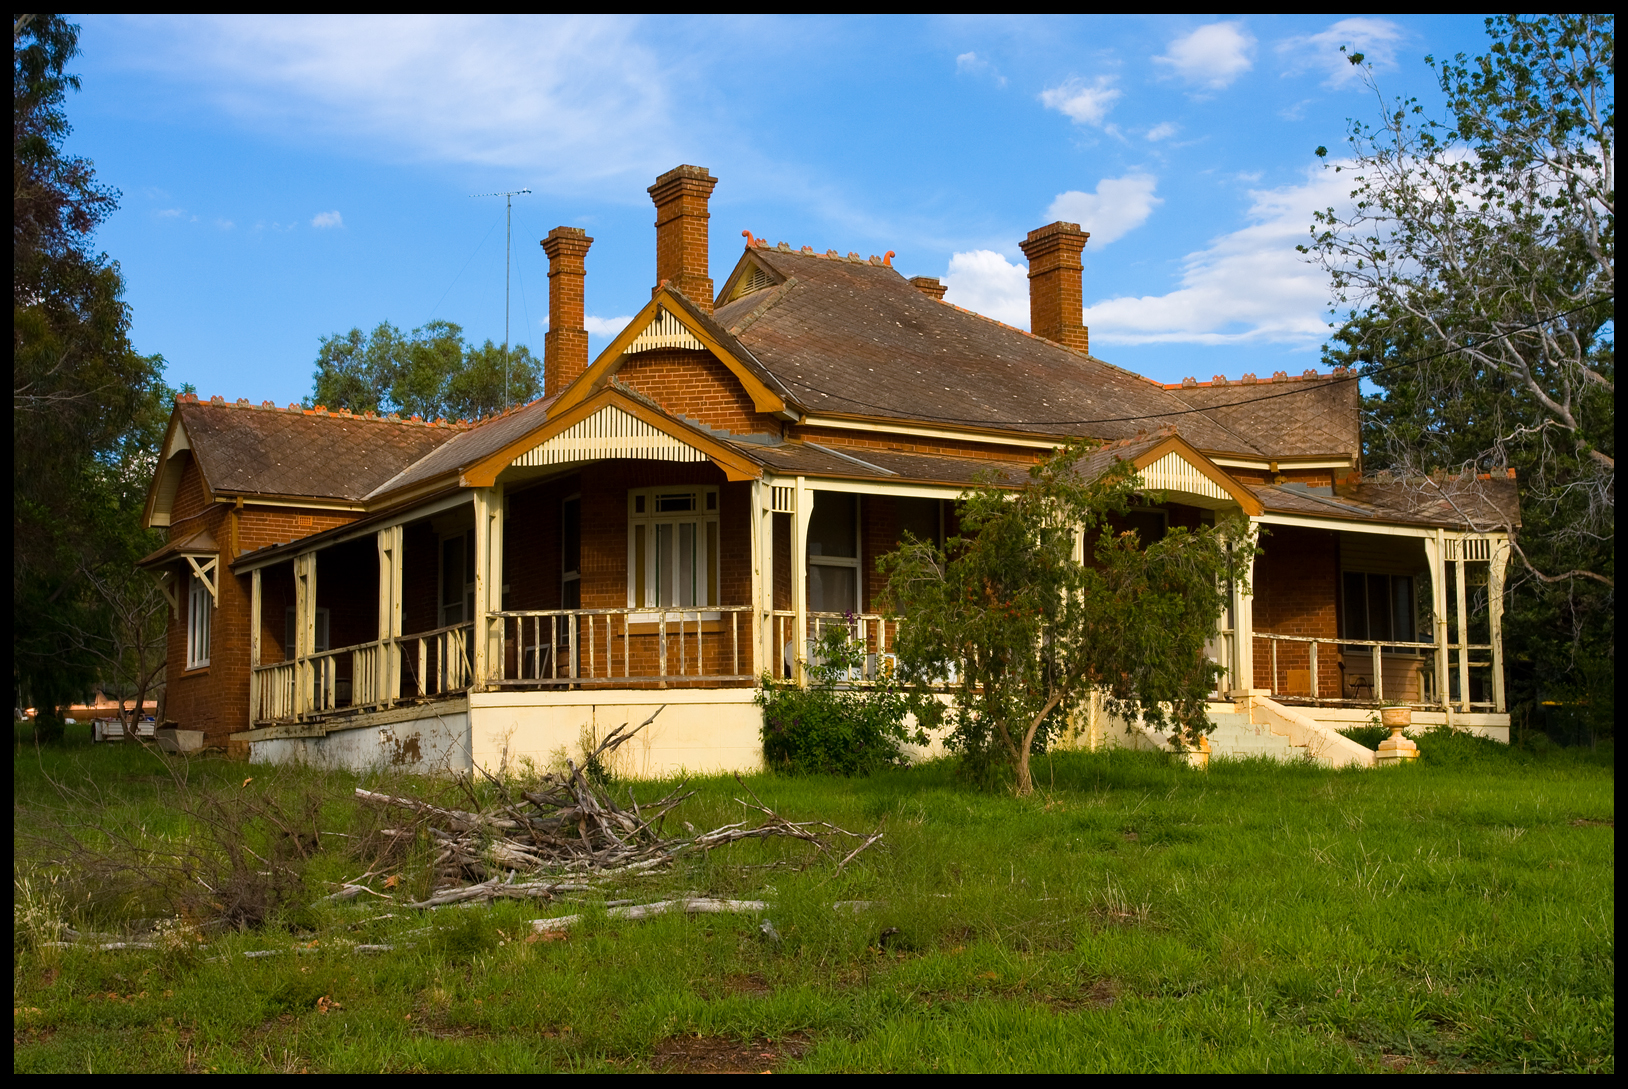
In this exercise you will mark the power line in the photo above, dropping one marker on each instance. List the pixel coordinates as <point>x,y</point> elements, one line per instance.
<point>1353,377</point>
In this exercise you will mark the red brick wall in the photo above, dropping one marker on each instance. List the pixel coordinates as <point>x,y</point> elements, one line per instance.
<point>531,544</point>
<point>420,578</point>
<point>1296,588</point>
<point>697,385</point>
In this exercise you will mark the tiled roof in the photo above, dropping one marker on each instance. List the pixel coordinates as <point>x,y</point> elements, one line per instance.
<point>467,447</point>
<point>198,543</point>
<point>815,459</point>
<point>308,453</point>
<point>1479,504</point>
<point>1286,417</point>
<point>858,339</point>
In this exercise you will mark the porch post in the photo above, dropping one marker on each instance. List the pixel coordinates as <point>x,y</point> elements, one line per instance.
<point>305,629</point>
<point>1243,628</point>
<point>761,532</point>
<point>802,509</point>
<point>1463,629</point>
<point>390,543</point>
<point>1495,609</point>
<point>1436,554</point>
<point>488,646</point>
<point>254,645</point>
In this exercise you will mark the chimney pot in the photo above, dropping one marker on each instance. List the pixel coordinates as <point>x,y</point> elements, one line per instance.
<point>929,285</point>
<point>681,197</point>
<point>1056,297</point>
<point>565,347</point>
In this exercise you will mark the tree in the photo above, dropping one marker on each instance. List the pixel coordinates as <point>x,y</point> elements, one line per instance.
<point>1023,629</point>
<point>431,373</point>
<point>1476,268</point>
<point>78,383</point>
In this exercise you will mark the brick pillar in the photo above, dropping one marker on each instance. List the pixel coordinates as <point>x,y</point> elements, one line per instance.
<point>1056,301</point>
<point>928,285</point>
<point>681,197</point>
<point>565,347</point>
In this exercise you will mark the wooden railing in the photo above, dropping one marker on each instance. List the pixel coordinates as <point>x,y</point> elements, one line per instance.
<point>875,632</point>
<point>356,678</point>
<point>559,648</point>
<point>1407,673</point>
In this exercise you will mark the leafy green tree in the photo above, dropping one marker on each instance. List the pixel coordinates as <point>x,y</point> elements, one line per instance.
<point>1477,270</point>
<point>430,373</point>
<point>1039,601</point>
<point>78,384</point>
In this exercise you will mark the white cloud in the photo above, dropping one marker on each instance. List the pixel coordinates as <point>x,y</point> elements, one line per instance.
<point>604,327</point>
<point>1211,56</point>
<point>1247,287</point>
<point>327,219</point>
<point>1086,105</point>
<point>1376,39</point>
<point>223,224</point>
<point>1164,130</point>
<point>987,283</point>
<point>1119,206</point>
<point>559,100</point>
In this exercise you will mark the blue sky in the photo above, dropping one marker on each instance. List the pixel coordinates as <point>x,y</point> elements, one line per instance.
<point>288,178</point>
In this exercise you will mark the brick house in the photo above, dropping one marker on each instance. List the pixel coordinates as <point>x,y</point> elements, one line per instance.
<point>677,517</point>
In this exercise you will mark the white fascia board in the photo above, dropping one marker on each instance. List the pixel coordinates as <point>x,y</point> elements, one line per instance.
<point>1343,525</point>
<point>931,432</point>
<point>1265,464</point>
<point>874,487</point>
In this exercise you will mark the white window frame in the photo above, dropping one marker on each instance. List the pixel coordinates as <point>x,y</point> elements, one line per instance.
<point>643,524</point>
<point>200,620</point>
<point>851,562</point>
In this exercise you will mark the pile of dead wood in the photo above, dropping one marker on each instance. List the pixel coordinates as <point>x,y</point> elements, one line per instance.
<point>572,835</point>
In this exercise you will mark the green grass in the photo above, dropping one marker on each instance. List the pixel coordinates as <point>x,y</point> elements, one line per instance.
<point>1453,915</point>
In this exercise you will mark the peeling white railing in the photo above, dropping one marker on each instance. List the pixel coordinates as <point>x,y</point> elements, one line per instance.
<point>603,647</point>
<point>1364,678</point>
<point>358,678</point>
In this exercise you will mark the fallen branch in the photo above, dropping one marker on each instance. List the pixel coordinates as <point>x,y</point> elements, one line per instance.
<point>696,906</point>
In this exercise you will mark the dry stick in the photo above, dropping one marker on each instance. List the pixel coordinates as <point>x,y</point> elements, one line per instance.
<point>697,906</point>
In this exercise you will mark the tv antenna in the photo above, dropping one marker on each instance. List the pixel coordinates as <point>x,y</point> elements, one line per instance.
<point>508,196</point>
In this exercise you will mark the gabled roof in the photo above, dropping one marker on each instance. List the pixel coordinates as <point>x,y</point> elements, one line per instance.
<point>292,453</point>
<point>1480,505</point>
<point>768,394</point>
<point>853,338</point>
<point>1293,417</point>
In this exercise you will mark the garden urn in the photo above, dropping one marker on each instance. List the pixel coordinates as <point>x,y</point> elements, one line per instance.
<point>1396,749</point>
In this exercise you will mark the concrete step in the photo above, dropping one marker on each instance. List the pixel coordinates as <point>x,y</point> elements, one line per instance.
<point>1235,736</point>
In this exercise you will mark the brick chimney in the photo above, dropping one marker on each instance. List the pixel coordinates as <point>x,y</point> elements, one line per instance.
<point>565,348</point>
<point>1056,300</point>
<point>929,285</point>
<point>681,197</point>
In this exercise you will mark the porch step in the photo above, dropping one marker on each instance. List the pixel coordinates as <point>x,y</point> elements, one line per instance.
<point>1235,736</point>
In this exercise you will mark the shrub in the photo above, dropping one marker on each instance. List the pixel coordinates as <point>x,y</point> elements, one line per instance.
<point>830,728</point>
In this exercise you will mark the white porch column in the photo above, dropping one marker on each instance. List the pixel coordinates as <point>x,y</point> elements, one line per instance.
<point>761,532</point>
<point>1243,626</point>
<point>803,508</point>
<point>390,558</point>
<point>1436,553</point>
<point>254,645</point>
<point>1463,629</point>
<point>305,630</point>
<point>487,639</point>
<point>1495,609</point>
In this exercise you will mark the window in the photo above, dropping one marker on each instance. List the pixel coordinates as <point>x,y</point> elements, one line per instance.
<point>833,553</point>
<point>672,547</point>
<point>200,609</point>
<point>321,643</point>
<point>1378,607</point>
<point>1150,525</point>
<point>571,553</point>
<point>458,578</point>
<point>923,518</point>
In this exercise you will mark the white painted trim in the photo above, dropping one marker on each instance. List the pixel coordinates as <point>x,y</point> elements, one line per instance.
<point>1174,473</point>
<point>664,330</point>
<point>609,433</point>
<point>931,432</point>
<point>1345,525</point>
<point>232,498</point>
<point>1265,464</point>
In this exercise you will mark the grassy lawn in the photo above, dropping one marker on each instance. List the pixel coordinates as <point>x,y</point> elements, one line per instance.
<point>1455,915</point>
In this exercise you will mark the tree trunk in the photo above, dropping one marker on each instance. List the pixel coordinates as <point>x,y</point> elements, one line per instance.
<point>1025,782</point>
